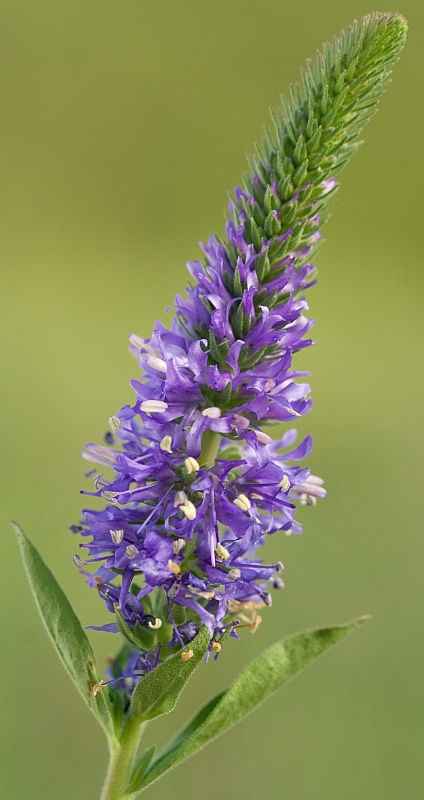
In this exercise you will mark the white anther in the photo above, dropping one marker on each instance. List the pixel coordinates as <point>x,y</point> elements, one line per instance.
<point>180,498</point>
<point>179,545</point>
<point>213,412</point>
<point>99,455</point>
<point>115,424</point>
<point>234,574</point>
<point>157,363</point>
<point>165,444</point>
<point>221,552</point>
<point>78,562</point>
<point>188,509</point>
<point>284,484</point>
<point>131,551</point>
<point>242,502</point>
<point>116,536</point>
<point>255,496</point>
<point>136,341</point>
<point>191,465</point>
<point>269,385</point>
<point>155,625</point>
<point>262,437</point>
<point>153,406</point>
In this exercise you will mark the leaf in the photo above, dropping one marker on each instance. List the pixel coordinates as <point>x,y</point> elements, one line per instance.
<point>65,631</point>
<point>157,693</point>
<point>140,768</point>
<point>264,676</point>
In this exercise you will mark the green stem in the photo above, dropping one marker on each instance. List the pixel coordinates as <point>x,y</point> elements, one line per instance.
<point>210,446</point>
<point>121,761</point>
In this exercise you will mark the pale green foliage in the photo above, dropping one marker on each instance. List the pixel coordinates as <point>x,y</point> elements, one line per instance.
<point>64,628</point>
<point>158,692</point>
<point>264,676</point>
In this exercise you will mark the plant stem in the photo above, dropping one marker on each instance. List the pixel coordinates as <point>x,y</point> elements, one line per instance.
<point>210,446</point>
<point>121,760</point>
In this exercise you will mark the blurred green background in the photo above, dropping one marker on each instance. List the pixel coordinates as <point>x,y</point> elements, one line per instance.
<point>123,124</point>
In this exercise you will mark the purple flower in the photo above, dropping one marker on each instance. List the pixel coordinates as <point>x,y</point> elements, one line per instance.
<point>197,482</point>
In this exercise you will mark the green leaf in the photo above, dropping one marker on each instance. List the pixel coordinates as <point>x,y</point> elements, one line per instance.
<point>65,631</point>
<point>160,689</point>
<point>141,766</point>
<point>271,670</point>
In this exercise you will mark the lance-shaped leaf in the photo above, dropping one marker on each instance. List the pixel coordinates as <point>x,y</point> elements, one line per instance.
<point>157,693</point>
<point>64,628</point>
<point>271,670</point>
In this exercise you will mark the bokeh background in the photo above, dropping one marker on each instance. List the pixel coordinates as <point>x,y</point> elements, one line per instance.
<point>123,124</point>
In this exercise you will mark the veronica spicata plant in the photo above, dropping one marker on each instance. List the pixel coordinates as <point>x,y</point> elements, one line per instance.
<point>197,484</point>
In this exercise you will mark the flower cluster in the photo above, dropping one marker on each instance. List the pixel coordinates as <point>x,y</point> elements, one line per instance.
<point>197,482</point>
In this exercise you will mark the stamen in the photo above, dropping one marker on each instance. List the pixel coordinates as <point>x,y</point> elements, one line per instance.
<point>117,536</point>
<point>155,625</point>
<point>131,551</point>
<point>179,545</point>
<point>234,574</point>
<point>255,496</point>
<point>191,465</point>
<point>262,437</point>
<point>216,647</point>
<point>110,497</point>
<point>213,412</point>
<point>242,502</point>
<point>279,566</point>
<point>97,687</point>
<point>173,567</point>
<point>115,424</point>
<point>221,552</point>
<point>165,444</point>
<point>255,624</point>
<point>189,509</point>
<point>284,484</point>
<point>78,562</point>
<point>187,654</point>
<point>180,498</point>
<point>153,406</point>
<point>157,363</point>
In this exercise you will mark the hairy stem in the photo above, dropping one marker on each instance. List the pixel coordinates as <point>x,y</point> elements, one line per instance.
<point>121,761</point>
